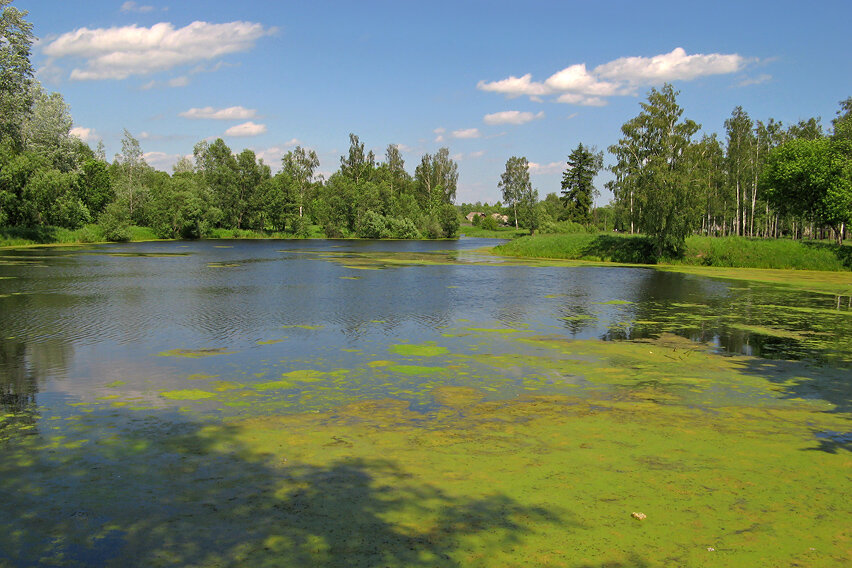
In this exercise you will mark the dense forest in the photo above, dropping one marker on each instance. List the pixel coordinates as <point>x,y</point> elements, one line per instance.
<point>759,179</point>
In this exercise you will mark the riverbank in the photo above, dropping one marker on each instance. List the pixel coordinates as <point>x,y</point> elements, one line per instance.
<point>718,252</point>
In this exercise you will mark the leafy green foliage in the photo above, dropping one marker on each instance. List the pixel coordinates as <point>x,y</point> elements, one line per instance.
<point>578,188</point>
<point>655,169</point>
<point>813,177</point>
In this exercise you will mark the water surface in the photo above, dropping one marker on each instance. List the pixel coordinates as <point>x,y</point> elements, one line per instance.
<point>130,374</point>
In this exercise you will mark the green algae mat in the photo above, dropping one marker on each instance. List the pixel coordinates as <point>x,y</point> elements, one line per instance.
<point>449,414</point>
<point>727,460</point>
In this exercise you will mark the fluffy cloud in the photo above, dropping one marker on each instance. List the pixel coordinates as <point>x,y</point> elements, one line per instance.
<point>577,85</point>
<point>118,53</point>
<point>511,117</point>
<point>673,66</point>
<point>230,113</point>
<point>551,168</point>
<point>246,129</point>
<point>272,155</point>
<point>84,134</point>
<point>163,161</point>
<point>467,133</point>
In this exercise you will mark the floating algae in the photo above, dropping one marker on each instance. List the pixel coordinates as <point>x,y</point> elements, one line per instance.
<point>187,394</point>
<point>415,369</point>
<point>418,350</point>
<point>195,353</point>
<point>294,378</point>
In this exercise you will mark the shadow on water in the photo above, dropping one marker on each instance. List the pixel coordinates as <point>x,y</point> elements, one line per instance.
<point>161,492</point>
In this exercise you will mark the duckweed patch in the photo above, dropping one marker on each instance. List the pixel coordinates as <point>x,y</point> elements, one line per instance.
<point>415,369</point>
<point>195,353</point>
<point>418,350</point>
<point>187,394</point>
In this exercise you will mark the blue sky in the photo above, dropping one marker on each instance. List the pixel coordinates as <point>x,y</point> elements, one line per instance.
<point>489,80</point>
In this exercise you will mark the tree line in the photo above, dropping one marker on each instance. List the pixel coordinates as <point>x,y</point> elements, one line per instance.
<point>759,180</point>
<point>763,180</point>
<point>50,178</point>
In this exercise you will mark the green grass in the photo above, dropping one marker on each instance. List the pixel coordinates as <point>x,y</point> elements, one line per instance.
<point>500,233</point>
<point>740,252</point>
<point>23,236</point>
<point>726,252</point>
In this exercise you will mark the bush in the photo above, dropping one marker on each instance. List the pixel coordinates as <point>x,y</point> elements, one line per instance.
<point>448,217</point>
<point>400,228</point>
<point>115,222</point>
<point>488,223</point>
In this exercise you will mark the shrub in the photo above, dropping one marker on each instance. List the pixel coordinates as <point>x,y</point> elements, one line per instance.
<point>488,223</point>
<point>115,222</point>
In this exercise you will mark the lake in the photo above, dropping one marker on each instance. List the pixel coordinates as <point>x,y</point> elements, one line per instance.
<point>413,403</point>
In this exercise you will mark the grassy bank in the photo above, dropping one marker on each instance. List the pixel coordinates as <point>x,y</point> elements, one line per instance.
<point>499,233</point>
<point>725,252</point>
<point>21,236</point>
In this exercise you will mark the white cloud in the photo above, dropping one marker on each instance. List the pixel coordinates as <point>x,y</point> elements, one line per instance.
<point>119,52</point>
<point>467,133</point>
<point>515,86</point>
<point>84,134</point>
<point>230,113</point>
<point>134,7</point>
<point>577,85</point>
<point>576,79</point>
<point>246,129</point>
<point>272,156</point>
<point>583,100</point>
<point>477,154</point>
<point>440,134</point>
<point>551,168</point>
<point>759,80</point>
<point>161,160</point>
<point>181,81</point>
<point>511,117</point>
<point>673,66</point>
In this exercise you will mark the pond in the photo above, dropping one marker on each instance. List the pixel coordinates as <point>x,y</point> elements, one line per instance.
<point>413,403</point>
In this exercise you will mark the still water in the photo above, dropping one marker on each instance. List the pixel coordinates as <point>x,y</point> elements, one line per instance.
<point>100,343</point>
<point>73,319</point>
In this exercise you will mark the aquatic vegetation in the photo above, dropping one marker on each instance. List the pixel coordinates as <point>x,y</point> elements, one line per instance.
<point>421,350</point>
<point>415,369</point>
<point>187,394</point>
<point>195,353</point>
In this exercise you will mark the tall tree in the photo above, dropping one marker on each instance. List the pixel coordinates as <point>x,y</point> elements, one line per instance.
<point>131,167</point>
<point>515,183</point>
<point>300,164</point>
<point>842,123</point>
<point>357,165</point>
<point>47,129</point>
<point>809,129</point>
<point>739,161</point>
<point>436,178</point>
<point>16,71</point>
<point>814,178</point>
<point>397,177</point>
<point>218,167</point>
<point>656,162</point>
<point>578,190</point>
